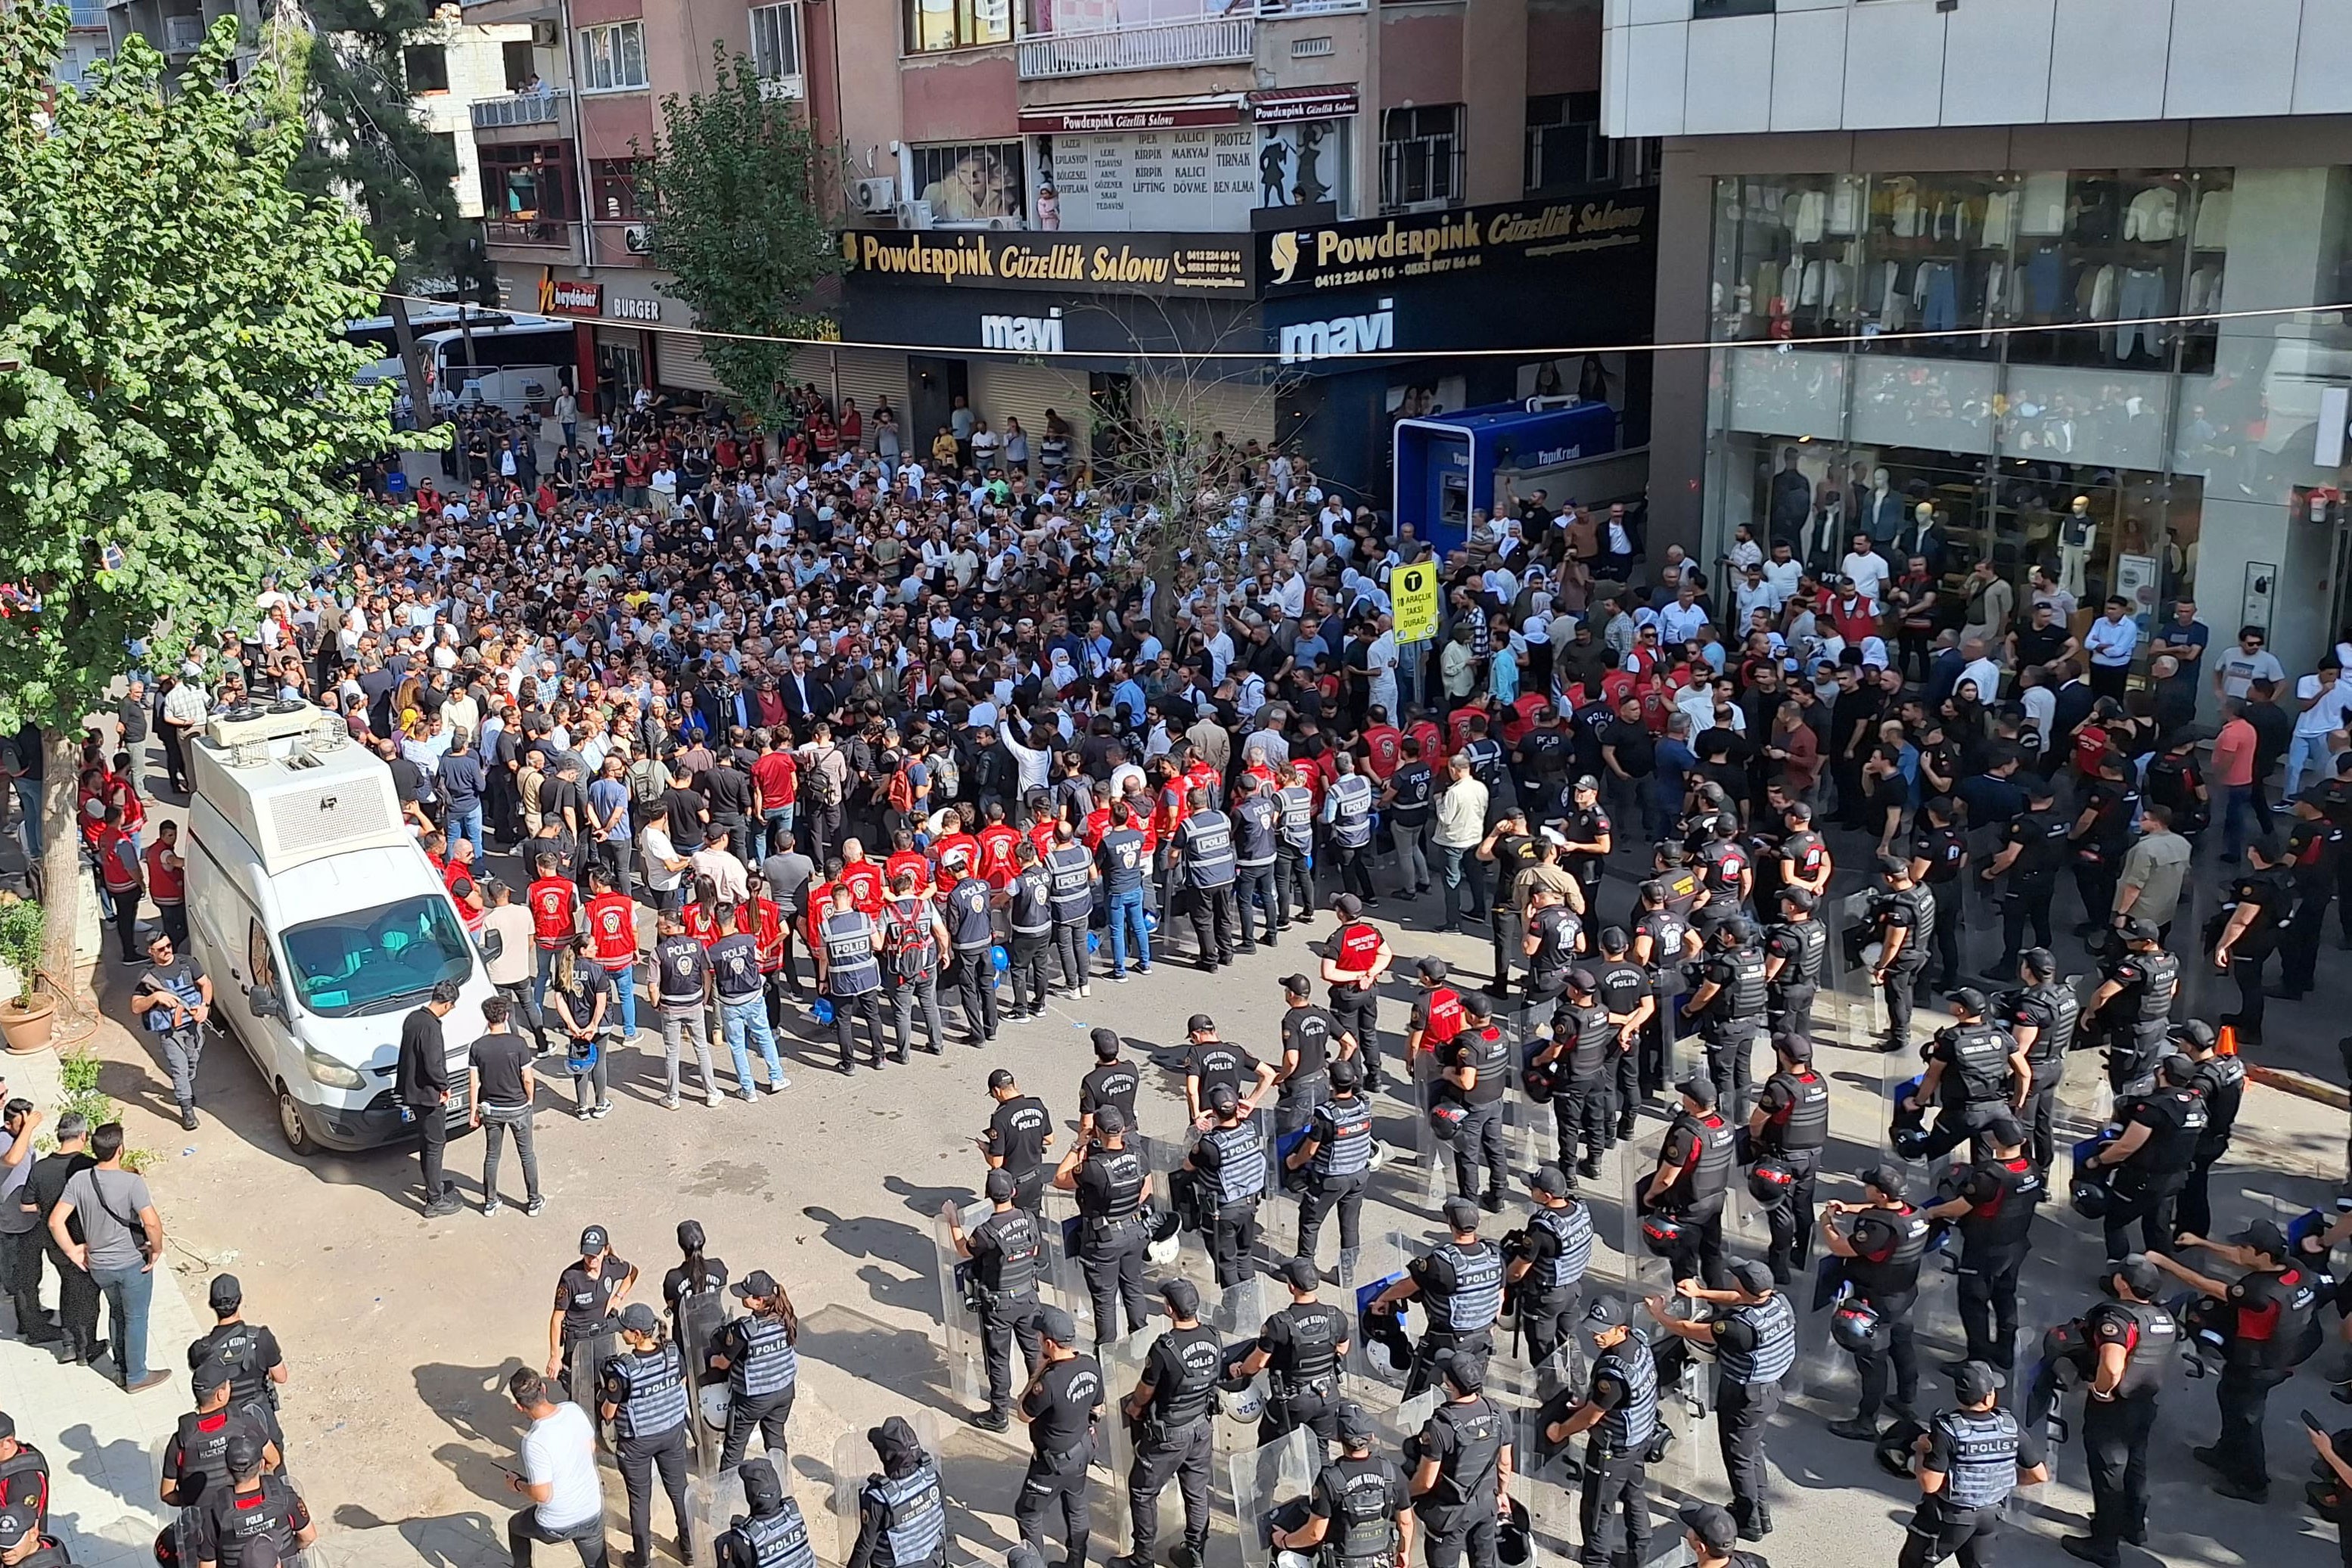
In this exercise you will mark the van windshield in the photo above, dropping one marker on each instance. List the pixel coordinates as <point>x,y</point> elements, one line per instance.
<point>375,960</point>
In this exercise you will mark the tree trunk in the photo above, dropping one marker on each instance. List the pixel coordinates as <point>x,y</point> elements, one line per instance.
<point>412,363</point>
<point>61,869</point>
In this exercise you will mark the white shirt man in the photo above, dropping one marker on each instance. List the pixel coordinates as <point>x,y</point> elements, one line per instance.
<point>559,1452</point>
<point>1869,571</point>
<point>1986,674</point>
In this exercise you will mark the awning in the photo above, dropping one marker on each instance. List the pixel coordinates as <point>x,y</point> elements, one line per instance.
<point>1134,114</point>
<point>1281,106</point>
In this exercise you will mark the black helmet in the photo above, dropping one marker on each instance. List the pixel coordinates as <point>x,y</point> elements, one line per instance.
<point>1857,1327</point>
<point>1667,1234</point>
<point>1770,1181</point>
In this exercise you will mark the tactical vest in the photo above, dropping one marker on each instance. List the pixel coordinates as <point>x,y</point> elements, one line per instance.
<point>1804,1122</point>
<point>1572,1229</point>
<point>1364,1522</point>
<point>1296,803</point>
<point>1030,910</point>
<point>1773,1322</point>
<point>679,968</point>
<point>1312,1353</point>
<point>1351,820</point>
<point>1347,1150</point>
<point>1185,1400</point>
<point>851,968</point>
<point>2163,970</point>
<point>1634,1422</point>
<point>1208,841</point>
<point>1476,1298</point>
<point>1898,1273</point>
<point>970,925</point>
<point>1923,921</point>
<point>1743,995</point>
<point>1708,1176</point>
<point>2153,1342</point>
<point>778,1540</point>
<point>2063,1008</point>
<point>1124,1166</point>
<point>1479,1435</point>
<point>1257,818</point>
<point>915,1521</point>
<point>1807,943</point>
<point>1010,1269</point>
<point>653,1392</point>
<point>1984,1457</point>
<point>769,1363</point>
<point>2006,1218</point>
<point>1484,756</point>
<point>1241,1161</point>
<point>1595,1050</point>
<point>1068,866</point>
<point>2221,1081</point>
<point>236,1348</point>
<point>1980,1055</point>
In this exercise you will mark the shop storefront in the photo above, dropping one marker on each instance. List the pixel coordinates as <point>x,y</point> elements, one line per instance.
<point>631,331</point>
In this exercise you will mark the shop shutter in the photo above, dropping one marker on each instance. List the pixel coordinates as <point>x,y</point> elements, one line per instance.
<point>1002,390</point>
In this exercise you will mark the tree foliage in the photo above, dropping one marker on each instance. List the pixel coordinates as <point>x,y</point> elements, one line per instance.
<point>175,408</point>
<point>734,212</point>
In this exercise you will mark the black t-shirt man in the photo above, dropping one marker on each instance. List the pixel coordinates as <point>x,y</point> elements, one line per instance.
<point>501,1058</point>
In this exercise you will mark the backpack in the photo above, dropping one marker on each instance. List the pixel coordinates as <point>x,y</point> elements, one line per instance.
<point>819,786</point>
<point>644,781</point>
<point>900,792</point>
<point>946,777</point>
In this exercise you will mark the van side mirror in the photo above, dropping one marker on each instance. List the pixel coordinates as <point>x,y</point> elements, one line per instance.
<point>265,1003</point>
<point>494,943</point>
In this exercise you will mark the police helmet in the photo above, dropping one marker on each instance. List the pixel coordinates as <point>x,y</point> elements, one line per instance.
<point>1163,1225</point>
<point>1243,1401</point>
<point>1378,1154</point>
<point>2088,1194</point>
<point>1857,1327</point>
<point>1908,1143</point>
<point>1770,1181</point>
<point>1540,1079</point>
<point>1666,1234</point>
<point>1894,1449</point>
<point>1514,1537</point>
<point>1347,1073</point>
<point>1382,1336</point>
<point>1685,1308</point>
<point>715,1400</point>
<point>1445,1122</point>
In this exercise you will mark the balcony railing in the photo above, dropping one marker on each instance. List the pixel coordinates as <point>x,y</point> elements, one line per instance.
<point>519,109</point>
<point>86,17</point>
<point>1157,45</point>
<point>537,231</point>
<point>183,35</point>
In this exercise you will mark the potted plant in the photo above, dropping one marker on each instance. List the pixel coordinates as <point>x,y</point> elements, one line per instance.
<point>26,1019</point>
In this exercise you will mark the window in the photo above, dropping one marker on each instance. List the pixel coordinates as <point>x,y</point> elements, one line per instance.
<point>933,25</point>
<point>613,58</point>
<point>1420,156</point>
<point>426,65</point>
<point>521,64</point>
<point>529,193</point>
<point>971,184</point>
<point>613,188</point>
<point>379,962</point>
<point>776,41</point>
<point>1703,9</point>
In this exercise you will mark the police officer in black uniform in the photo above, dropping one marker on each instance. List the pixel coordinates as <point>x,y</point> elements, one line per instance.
<point>1461,1467</point>
<point>774,1534</point>
<point>1111,1186</point>
<point>1730,1005</point>
<point>255,1506</point>
<point>1204,851</point>
<point>1476,1076</point>
<point>1586,827</point>
<point>2261,908</point>
<point>1061,1405</point>
<point>1969,1460</point>
<point>1753,1331</point>
<point>1112,1081</point>
<point>196,1461</point>
<point>1006,1251</point>
<point>2150,1157</point>
<point>1664,942</point>
<point>2133,1007</point>
<point>2101,834</point>
<point>2131,1343</point>
<point>1975,1074</point>
<point>1623,987</point>
<point>2025,870</point>
<point>1020,1129</point>
<point>643,1395</point>
<point>1547,1265</point>
<point>849,969</point>
<point>2043,1019</point>
<point>1903,921</point>
<point>1620,1409</point>
<point>1939,858</point>
<point>1694,1174</point>
<point>2273,1313</point>
<point>1790,1124</point>
<point>1587,1046</point>
<point>1300,1348</point>
<point>2314,843</point>
<point>1796,957</point>
<point>248,1352</point>
<point>1460,1285</point>
<point>1334,1161</point>
<point>1722,863</point>
<point>1170,1412</point>
<point>1231,1157</point>
<point>759,1354</point>
<point>1881,1249</point>
<point>590,1289</point>
<point>1359,1513</point>
<point>1554,934</point>
<point>2220,1082</point>
<point>970,911</point>
<point>1993,1211</point>
<point>902,1516</point>
<point>1309,1038</point>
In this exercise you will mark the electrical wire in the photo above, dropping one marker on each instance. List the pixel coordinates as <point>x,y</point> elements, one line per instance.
<point>1384,355</point>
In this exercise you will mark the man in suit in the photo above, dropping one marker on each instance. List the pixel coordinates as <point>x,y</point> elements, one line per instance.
<point>807,697</point>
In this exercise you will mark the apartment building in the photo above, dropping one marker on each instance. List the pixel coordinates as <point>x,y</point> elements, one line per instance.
<point>1839,174</point>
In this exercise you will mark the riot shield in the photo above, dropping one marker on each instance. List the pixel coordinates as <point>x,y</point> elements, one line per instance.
<point>716,1501</point>
<point>1061,1282</point>
<point>1648,1272</point>
<point>854,1462</point>
<point>1852,1010</point>
<point>1548,1477</point>
<point>1402,1420</point>
<point>583,1375</point>
<point>1685,1399</point>
<point>1263,1480</point>
<point>1422,1179</point>
<point>701,1317</point>
<point>1364,1273</point>
<point>2085,1103</point>
<point>1122,1368</point>
<point>1241,1309</point>
<point>959,1337</point>
<point>1824,1374</point>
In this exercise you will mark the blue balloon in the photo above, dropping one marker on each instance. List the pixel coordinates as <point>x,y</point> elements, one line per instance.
<point>1094,941</point>
<point>1151,921</point>
<point>996,956</point>
<point>823,1009</point>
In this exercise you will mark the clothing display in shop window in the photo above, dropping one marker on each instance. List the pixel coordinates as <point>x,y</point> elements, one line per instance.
<point>2045,282</point>
<point>2153,214</point>
<point>1845,205</point>
<point>2095,293</point>
<point>1936,288</point>
<point>2211,231</point>
<point>2204,291</point>
<point>2140,294</point>
<point>2091,214</point>
<point>1824,539</point>
<point>1811,217</point>
<point>2042,205</point>
<point>2000,220</point>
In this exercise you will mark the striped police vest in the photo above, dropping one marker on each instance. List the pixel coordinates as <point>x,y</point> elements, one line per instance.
<point>769,1363</point>
<point>1634,1421</point>
<point>1984,1457</point>
<point>1349,1150</point>
<point>1571,1227</point>
<point>1351,823</point>
<point>779,1540</point>
<point>652,1393</point>
<point>1477,1300</point>
<point>916,1521</point>
<point>1774,1324</point>
<point>1241,1162</point>
<point>852,968</point>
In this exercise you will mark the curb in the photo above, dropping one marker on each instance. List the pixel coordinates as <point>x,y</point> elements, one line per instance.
<point>2302,1086</point>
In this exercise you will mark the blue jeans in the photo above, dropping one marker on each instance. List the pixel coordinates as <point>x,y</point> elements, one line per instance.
<point>2237,810</point>
<point>624,981</point>
<point>1124,908</point>
<point>127,1292</point>
<point>466,825</point>
<point>547,957</point>
<point>2305,750</point>
<point>28,796</point>
<point>1457,868</point>
<point>750,1016</point>
<point>779,820</point>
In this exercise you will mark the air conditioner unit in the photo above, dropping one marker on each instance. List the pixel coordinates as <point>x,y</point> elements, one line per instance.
<point>876,198</point>
<point>1001,223</point>
<point>544,34</point>
<point>634,240</point>
<point>914,214</point>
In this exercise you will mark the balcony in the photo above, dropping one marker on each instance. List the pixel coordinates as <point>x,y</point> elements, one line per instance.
<point>183,35</point>
<point>519,109</point>
<point>1155,46</point>
<point>86,18</point>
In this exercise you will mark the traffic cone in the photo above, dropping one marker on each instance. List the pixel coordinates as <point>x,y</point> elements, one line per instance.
<point>2226,1042</point>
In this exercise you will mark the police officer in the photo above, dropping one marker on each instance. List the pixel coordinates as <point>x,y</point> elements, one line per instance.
<point>1664,941</point>
<point>1061,1405</point>
<point>1020,1131</point>
<point>1693,1172</point>
<point>2314,846</point>
<point>1126,865</point>
<point>1294,874</point>
<point>2150,1156</point>
<point>1969,1461</point>
<point>1211,1061</point>
<point>774,1534</point>
<point>2043,1019</point>
<point>195,1460</point>
<point>1111,1186</point>
<point>1940,857</point>
<point>1460,1285</point>
<point>1204,852</point>
<point>1993,1211</point>
<point>1475,1074</point>
<point>1300,1348</point>
<point>972,933</point>
<point>1790,1123</point>
<point>1005,1251</point>
<point>1257,822</point>
<point>1348,804</point>
<point>1902,918</point>
<point>589,1291</point>
<point>1070,870</point>
<point>1170,1412</point>
<point>1796,956</point>
<point>1336,1160</point>
<point>1753,1332</point>
<point>1587,1045</point>
<point>849,971</point>
<point>902,1517</point>
<point>248,1352</point>
<point>1232,1158</point>
<point>2273,1311</point>
<point>1624,989</point>
<point>1589,838</point>
<point>1976,1074</point>
<point>1029,932</point>
<point>1356,963</point>
<point>2260,909</point>
<point>2026,870</point>
<point>2220,1082</point>
<point>643,1395</point>
<point>1547,1269</point>
<point>1310,1039</point>
<point>757,1352</point>
<point>1553,935</point>
<point>2101,834</point>
<point>1620,1409</point>
<point>1112,1081</point>
<point>1438,1016</point>
<point>1881,1249</point>
<point>1360,1512</point>
<point>1461,1467</point>
<point>2132,1343</point>
<point>1730,1007</point>
<point>915,937</point>
<point>1722,864</point>
<point>255,1507</point>
<point>2133,1007</point>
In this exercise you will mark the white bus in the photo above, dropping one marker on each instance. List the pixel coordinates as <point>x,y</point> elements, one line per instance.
<point>375,334</point>
<point>515,366</point>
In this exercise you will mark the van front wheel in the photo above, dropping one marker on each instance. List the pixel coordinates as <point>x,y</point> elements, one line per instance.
<point>289,1123</point>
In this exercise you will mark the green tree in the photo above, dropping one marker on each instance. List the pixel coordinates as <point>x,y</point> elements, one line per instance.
<point>730,195</point>
<point>176,410</point>
<point>368,144</point>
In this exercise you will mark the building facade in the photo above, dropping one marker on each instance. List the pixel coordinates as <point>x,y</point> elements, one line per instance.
<point>1920,244</point>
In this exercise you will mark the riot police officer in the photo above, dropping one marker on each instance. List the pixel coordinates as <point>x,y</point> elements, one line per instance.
<point>255,1507</point>
<point>2273,1311</point>
<point>1112,1081</point>
<point>1586,828</point>
<point>1170,1412</point>
<point>1993,1211</point>
<point>2261,908</point>
<point>1461,1467</point>
<point>1547,1269</point>
<point>1790,1125</point>
<point>1902,922</point>
<point>1256,822</point>
<point>2043,1019</point>
<point>1360,1512</point>
<point>1476,1075</point>
<point>1347,807</point>
<point>1620,1409</point>
<point>915,937</point>
<point>1355,965</point>
<point>1692,1175</point>
<point>195,1461</point>
<point>1553,935</point>
<point>1300,1348</point>
<point>1722,864</point>
<point>774,1534</point>
<point>1881,1249</point>
<point>1335,1159</point>
<point>1005,1251</point>
<point>1460,1285</point>
<point>1754,1334</point>
<point>1071,876</point>
<point>1796,956</point>
<point>1730,1007</point>
<point>972,933</point>
<point>645,1397</point>
<point>849,970</point>
<point>902,1516</point>
<point>1968,1464</point>
<point>2133,1007</point>
<point>1587,1045</point>
<point>1309,1039</point>
<point>2220,1082</point>
<point>1976,1074</point>
<point>1939,856</point>
<point>1019,1131</point>
<point>757,1352</point>
<point>1111,1186</point>
<point>2032,847</point>
<point>1623,987</point>
<point>1061,1405</point>
<point>248,1352</point>
<point>1804,855</point>
<point>1664,941</point>
<point>2314,846</point>
<point>1029,932</point>
<point>2150,1157</point>
<point>2131,1343</point>
<point>1204,854</point>
<point>1232,1157</point>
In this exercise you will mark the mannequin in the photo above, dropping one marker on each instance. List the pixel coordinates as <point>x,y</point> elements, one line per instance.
<point>1884,519</point>
<point>2077,534</point>
<point>1920,538</point>
<point>1825,533</point>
